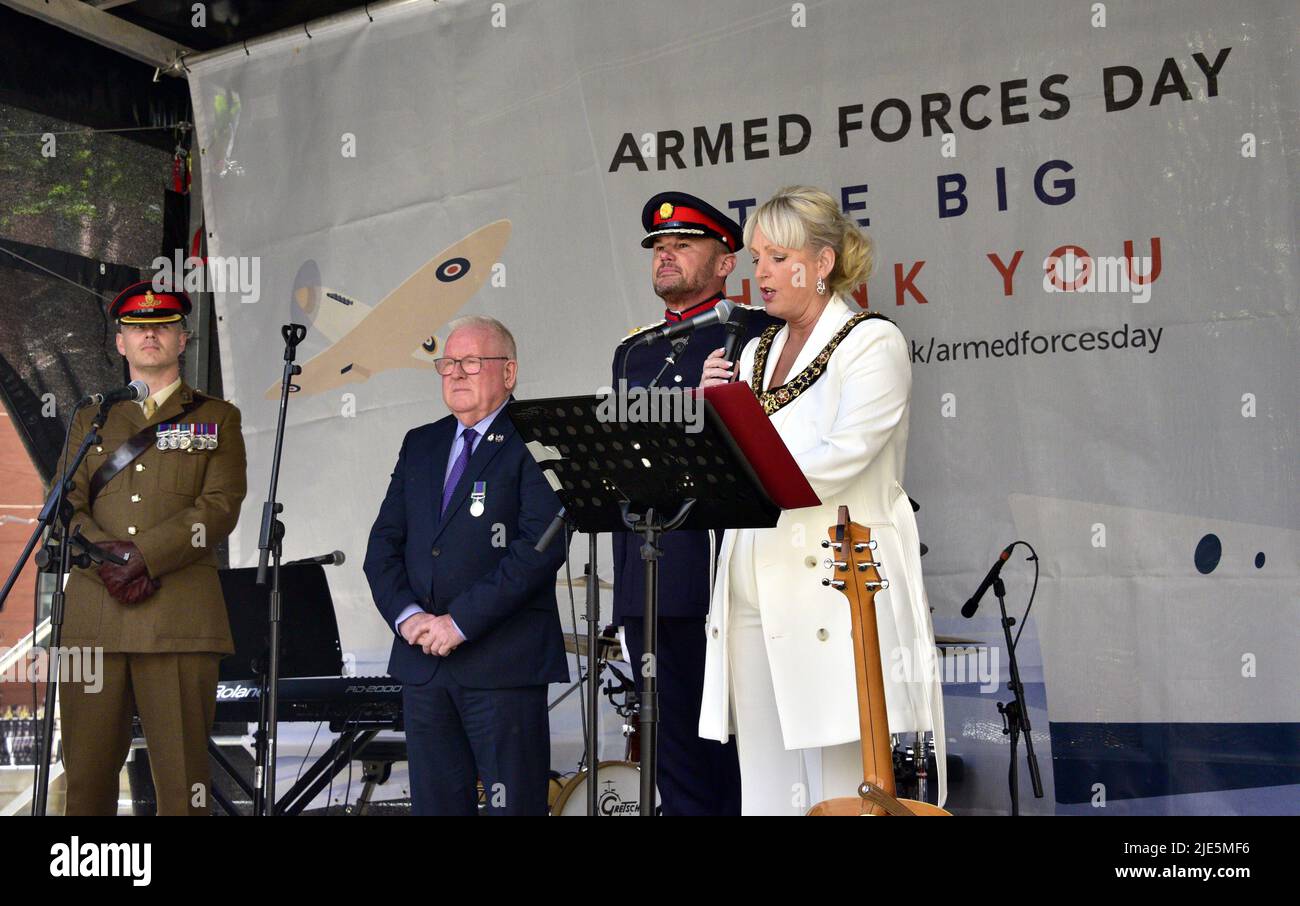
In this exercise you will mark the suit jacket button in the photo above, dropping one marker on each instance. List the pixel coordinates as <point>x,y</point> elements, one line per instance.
<point>139,467</point>
<point>135,498</point>
<point>435,552</point>
<point>823,635</point>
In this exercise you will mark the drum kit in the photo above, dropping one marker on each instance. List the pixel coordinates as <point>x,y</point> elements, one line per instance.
<point>619,782</point>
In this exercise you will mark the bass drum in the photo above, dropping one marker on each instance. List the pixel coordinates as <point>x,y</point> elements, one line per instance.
<point>554,789</point>
<point>619,794</point>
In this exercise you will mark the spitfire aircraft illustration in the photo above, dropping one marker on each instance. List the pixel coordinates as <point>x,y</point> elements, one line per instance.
<point>366,340</point>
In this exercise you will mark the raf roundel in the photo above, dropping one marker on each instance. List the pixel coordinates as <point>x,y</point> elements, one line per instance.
<point>452,269</point>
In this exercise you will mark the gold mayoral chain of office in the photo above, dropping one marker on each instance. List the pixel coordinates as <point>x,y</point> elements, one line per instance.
<point>778,397</point>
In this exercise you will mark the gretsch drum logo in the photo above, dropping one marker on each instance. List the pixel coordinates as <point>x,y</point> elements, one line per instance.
<point>611,804</point>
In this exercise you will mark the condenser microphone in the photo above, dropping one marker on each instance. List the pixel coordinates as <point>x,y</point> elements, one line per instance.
<point>136,390</point>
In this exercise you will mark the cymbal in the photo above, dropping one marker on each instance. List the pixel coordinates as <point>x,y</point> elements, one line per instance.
<point>952,641</point>
<point>580,582</point>
<point>606,647</point>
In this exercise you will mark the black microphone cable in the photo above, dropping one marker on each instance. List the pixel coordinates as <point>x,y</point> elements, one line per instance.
<point>1033,555</point>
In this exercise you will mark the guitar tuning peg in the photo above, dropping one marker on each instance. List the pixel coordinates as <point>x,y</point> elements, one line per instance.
<point>834,583</point>
<point>861,546</point>
<point>877,586</point>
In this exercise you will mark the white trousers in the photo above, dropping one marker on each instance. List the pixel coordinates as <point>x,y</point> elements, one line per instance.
<point>774,780</point>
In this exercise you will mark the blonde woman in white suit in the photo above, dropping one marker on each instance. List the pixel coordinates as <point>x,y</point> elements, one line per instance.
<point>836,383</point>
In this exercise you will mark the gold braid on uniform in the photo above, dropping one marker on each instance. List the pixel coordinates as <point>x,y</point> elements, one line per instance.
<point>787,393</point>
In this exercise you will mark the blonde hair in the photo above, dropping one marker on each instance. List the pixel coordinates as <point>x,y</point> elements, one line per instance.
<point>483,322</point>
<point>802,216</point>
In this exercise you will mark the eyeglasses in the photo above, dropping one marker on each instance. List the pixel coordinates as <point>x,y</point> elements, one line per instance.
<point>471,364</point>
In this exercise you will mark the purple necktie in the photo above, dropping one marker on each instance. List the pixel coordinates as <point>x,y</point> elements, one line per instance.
<point>458,468</point>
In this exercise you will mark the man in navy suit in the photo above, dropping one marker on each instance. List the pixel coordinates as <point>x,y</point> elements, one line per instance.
<point>694,248</point>
<point>452,569</point>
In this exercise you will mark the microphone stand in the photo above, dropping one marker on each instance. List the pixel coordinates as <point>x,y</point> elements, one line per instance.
<point>678,344</point>
<point>593,673</point>
<point>594,665</point>
<point>56,516</point>
<point>270,546</point>
<point>651,526</point>
<point>1015,714</point>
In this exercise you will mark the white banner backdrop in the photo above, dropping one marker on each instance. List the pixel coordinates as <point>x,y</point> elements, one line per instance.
<point>1141,437</point>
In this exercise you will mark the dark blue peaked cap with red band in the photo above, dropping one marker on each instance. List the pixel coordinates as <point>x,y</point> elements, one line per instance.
<point>680,213</point>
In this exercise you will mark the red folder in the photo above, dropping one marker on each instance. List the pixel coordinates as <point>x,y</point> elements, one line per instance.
<point>753,433</point>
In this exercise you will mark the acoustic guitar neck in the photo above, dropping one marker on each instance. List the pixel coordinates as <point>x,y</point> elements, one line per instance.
<point>855,571</point>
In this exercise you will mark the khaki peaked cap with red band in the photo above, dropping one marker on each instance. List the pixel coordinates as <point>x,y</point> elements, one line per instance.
<point>140,303</point>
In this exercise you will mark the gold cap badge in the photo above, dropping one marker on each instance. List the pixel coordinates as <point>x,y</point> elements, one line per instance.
<point>665,211</point>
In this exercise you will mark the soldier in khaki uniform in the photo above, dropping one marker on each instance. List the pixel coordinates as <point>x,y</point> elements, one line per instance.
<point>160,619</point>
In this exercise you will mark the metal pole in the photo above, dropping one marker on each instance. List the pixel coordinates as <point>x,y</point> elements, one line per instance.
<point>593,674</point>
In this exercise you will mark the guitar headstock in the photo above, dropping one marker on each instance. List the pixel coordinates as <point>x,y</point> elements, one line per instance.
<point>853,558</point>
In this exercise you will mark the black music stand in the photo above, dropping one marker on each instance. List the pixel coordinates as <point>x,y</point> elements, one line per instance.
<point>308,620</point>
<point>651,477</point>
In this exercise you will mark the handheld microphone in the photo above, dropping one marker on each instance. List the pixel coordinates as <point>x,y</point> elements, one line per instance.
<point>718,314</point>
<point>334,559</point>
<point>968,609</point>
<point>136,390</point>
<point>551,531</point>
<point>734,343</point>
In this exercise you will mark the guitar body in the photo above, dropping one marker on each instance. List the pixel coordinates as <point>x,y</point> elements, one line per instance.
<point>857,575</point>
<point>852,806</point>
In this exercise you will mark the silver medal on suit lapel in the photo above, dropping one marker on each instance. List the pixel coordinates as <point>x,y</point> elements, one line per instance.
<point>477,496</point>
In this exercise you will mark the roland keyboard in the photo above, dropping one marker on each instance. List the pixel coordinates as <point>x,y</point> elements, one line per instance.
<point>342,701</point>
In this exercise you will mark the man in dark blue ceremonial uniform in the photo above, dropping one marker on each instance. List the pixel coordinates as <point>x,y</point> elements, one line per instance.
<point>694,249</point>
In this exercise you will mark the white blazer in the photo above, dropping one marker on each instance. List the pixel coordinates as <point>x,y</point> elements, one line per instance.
<point>848,433</point>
